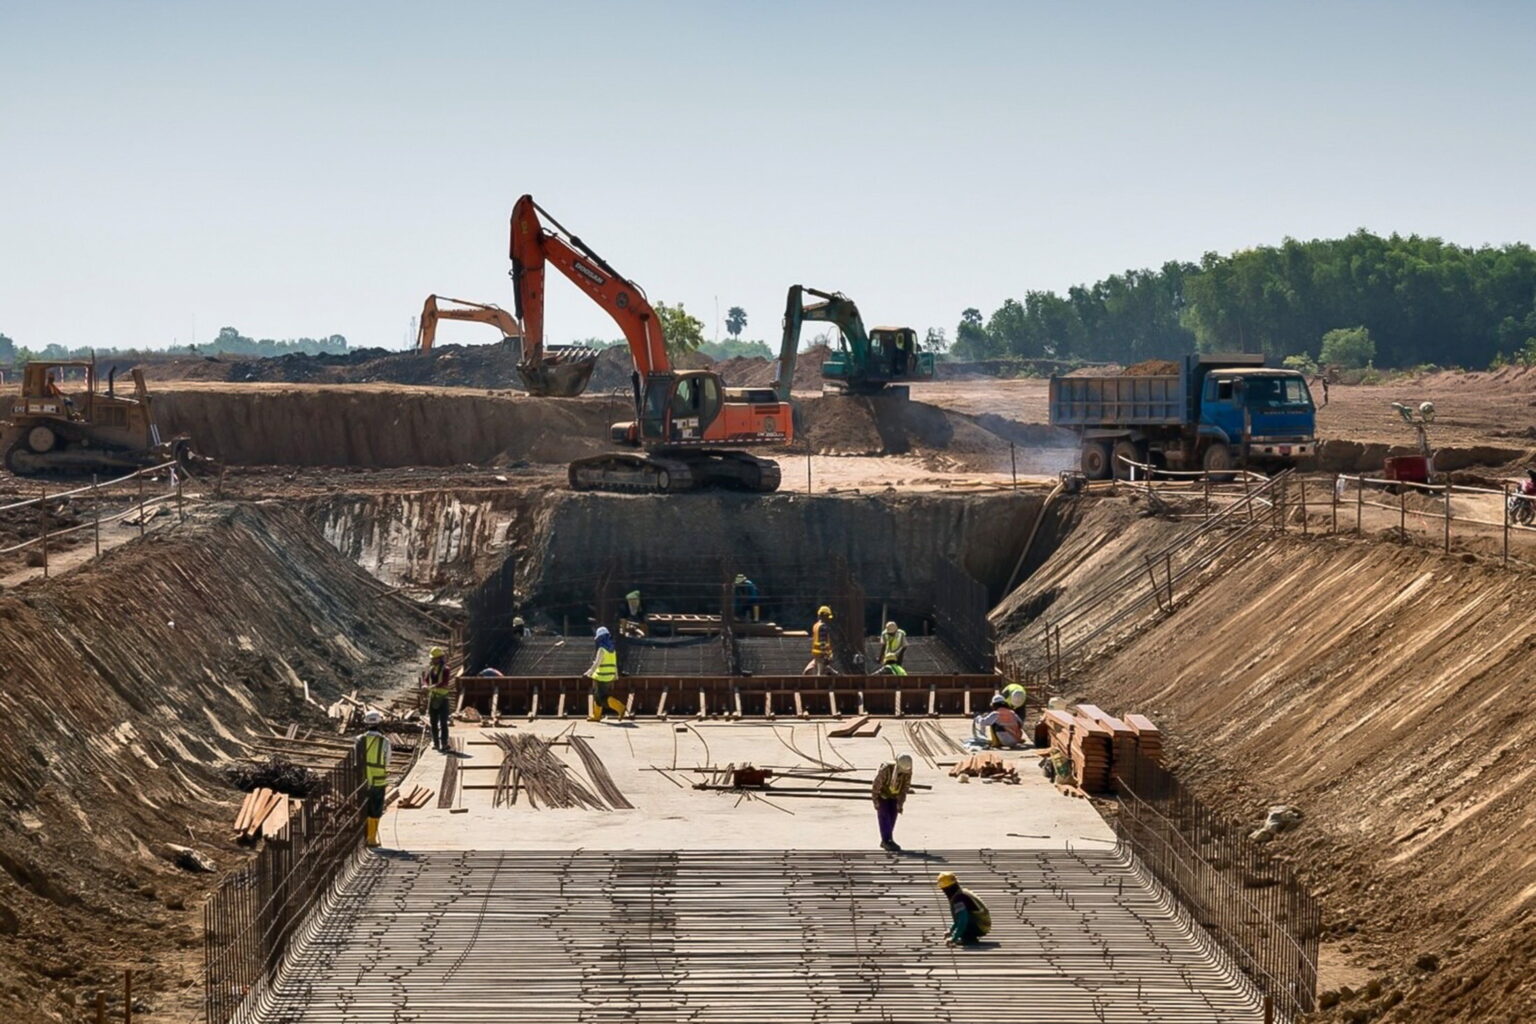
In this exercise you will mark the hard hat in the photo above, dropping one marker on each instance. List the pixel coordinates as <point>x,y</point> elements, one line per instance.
<point>373,718</point>
<point>904,763</point>
<point>517,620</point>
<point>437,652</point>
<point>891,627</point>
<point>1427,409</point>
<point>998,700</point>
<point>1017,697</point>
<point>947,879</point>
<point>741,577</point>
<point>601,631</point>
<point>824,612</point>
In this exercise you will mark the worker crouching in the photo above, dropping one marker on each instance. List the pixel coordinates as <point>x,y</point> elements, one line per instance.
<point>892,784</point>
<point>603,671</point>
<point>1000,727</point>
<point>373,746</point>
<point>969,917</point>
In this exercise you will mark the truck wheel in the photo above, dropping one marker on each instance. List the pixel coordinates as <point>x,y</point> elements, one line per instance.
<point>1218,463</point>
<point>1126,450</point>
<point>1095,460</point>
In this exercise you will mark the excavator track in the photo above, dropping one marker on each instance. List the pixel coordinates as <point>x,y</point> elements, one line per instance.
<point>674,472</point>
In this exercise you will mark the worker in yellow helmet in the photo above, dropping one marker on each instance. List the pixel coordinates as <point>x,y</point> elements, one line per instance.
<point>373,749</point>
<point>439,686</point>
<point>969,917</point>
<point>603,672</point>
<point>893,649</point>
<point>821,645</point>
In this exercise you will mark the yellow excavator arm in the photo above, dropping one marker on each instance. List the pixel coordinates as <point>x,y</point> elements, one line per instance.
<point>462,309</point>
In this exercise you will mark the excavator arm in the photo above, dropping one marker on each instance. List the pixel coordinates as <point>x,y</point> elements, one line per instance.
<point>463,309</point>
<point>834,308</point>
<point>533,245</point>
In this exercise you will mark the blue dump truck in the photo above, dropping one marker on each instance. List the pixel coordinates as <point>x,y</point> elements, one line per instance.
<point>1223,411</point>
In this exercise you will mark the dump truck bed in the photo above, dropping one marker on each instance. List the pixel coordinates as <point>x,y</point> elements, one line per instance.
<point>1117,400</point>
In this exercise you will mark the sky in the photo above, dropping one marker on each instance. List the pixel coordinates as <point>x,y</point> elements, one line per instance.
<point>306,169</point>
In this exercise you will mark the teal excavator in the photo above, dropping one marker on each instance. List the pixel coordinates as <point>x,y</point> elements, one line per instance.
<point>861,362</point>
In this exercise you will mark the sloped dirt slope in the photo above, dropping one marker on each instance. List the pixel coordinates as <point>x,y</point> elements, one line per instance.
<point>125,684</point>
<point>1385,690</point>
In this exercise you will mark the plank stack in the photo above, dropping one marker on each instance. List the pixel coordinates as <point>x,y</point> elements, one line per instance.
<point>1122,741</point>
<point>985,765</point>
<point>1085,743</point>
<point>1148,740</point>
<point>264,813</point>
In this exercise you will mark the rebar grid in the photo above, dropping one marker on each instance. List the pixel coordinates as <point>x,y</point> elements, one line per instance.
<point>750,936</point>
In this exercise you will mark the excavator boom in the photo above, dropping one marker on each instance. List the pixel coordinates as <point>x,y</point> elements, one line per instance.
<point>563,371</point>
<point>868,361</point>
<point>434,310</point>
<point>688,422</point>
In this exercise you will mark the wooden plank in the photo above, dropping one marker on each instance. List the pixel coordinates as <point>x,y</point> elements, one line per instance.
<point>703,705</point>
<point>768,705</point>
<point>968,704</point>
<point>661,706</point>
<point>277,820</point>
<point>629,706</point>
<point>933,702</point>
<point>799,707</point>
<point>560,708</point>
<point>861,703</point>
<point>832,704</point>
<point>495,705</point>
<point>869,730</point>
<point>849,729</point>
<point>736,699</point>
<point>897,704</point>
<point>246,806</point>
<point>533,705</point>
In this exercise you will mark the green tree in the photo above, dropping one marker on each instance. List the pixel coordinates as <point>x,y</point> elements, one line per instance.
<point>971,338</point>
<point>683,331</point>
<point>7,350</point>
<point>1348,346</point>
<point>735,321</point>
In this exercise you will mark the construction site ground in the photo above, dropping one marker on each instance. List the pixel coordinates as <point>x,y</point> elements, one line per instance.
<point>1378,686</point>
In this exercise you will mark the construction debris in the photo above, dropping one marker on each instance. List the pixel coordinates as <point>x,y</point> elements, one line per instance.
<point>264,813</point>
<point>417,797</point>
<point>985,765</point>
<point>275,773</point>
<point>189,859</point>
<point>528,764</point>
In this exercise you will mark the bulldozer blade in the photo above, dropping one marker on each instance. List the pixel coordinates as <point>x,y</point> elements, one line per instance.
<point>562,373</point>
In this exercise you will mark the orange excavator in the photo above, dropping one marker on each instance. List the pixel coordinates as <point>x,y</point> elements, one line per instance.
<point>561,371</point>
<point>687,423</point>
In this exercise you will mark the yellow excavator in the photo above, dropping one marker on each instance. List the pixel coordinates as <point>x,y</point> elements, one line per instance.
<point>557,371</point>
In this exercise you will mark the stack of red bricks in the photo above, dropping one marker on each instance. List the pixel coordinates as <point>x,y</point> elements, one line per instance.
<point>1097,744</point>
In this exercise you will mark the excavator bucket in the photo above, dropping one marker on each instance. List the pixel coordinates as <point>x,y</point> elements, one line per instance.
<point>563,372</point>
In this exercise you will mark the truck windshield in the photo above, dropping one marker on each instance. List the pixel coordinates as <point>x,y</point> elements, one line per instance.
<point>1275,391</point>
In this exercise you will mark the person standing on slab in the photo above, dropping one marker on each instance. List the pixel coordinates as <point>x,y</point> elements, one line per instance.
<point>603,672</point>
<point>821,645</point>
<point>374,747</point>
<point>439,688</point>
<point>892,784</point>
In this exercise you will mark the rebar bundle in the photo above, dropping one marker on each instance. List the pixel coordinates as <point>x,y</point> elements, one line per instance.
<point>528,764</point>
<point>598,772</point>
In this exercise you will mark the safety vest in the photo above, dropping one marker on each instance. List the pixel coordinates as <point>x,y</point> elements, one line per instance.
<point>438,684</point>
<point>607,666</point>
<point>821,646</point>
<point>894,642</point>
<point>375,759</point>
<point>977,909</point>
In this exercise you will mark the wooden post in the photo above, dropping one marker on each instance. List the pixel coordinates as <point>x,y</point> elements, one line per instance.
<point>1333,504</point>
<point>1206,481</point>
<point>1359,502</point>
<point>140,477</point>
<point>1303,506</point>
<point>101,1008</point>
<point>1447,518</point>
<point>1168,567</point>
<point>1506,523</point>
<point>1247,498</point>
<point>1269,1010</point>
<point>1402,509</point>
<point>128,997</point>
<point>181,509</point>
<point>1013,463</point>
<point>42,522</point>
<point>97,505</point>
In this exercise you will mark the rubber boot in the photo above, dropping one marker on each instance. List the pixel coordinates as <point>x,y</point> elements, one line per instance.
<point>616,706</point>
<point>373,832</point>
<point>596,714</point>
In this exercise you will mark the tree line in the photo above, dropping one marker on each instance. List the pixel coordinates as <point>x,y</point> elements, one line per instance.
<point>1417,300</point>
<point>229,341</point>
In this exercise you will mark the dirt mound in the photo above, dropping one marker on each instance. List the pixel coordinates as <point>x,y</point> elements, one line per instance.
<point>127,684</point>
<point>372,426</point>
<point>1151,368</point>
<point>479,366</point>
<point>887,425</point>
<point>1381,689</point>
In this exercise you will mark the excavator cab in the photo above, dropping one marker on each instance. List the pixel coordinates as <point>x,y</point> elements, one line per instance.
<point>861,362</point>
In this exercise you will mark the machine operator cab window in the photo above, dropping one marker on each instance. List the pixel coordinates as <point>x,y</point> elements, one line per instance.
<point>694,404</point>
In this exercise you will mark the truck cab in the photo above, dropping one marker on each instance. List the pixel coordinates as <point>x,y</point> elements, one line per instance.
<point>1266,413</point>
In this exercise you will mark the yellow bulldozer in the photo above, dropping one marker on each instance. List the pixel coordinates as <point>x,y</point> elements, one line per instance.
<point>49,430</point>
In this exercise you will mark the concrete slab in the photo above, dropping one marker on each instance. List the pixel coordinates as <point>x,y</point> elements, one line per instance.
<point>670,815</point>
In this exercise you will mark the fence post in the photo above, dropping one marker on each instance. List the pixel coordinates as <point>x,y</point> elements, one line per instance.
<point>1359,502</point>
<point>1506,522</point>
<point>97,505</point>
<point>140,477</point>
<point>1402,509</point>
<point>1013,463</point>
<point>128,997</point>
<point>807,466</point>
<point>1303,506</point>
<point>181,509</point>
<point>42,522</point>
<point>1333,504</point>
<point>1447,518</point>
<point>1247,498</point>
<point>101,1008</point>
<point>1206,482</point>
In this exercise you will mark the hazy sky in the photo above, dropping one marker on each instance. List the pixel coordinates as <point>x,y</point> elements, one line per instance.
<point>315,168</point>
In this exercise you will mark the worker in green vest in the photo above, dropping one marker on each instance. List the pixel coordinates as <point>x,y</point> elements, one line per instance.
<point>439,687</point>
<point>373,748</point>
<point>969,917</point>
<point>893,648</point>
<point>603,671</point>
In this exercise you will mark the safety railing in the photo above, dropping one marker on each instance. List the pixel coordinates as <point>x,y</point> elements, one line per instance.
<point>1251,905</point>
<point>249,919</point>
<point>98,494</point>
<point>1118,605</point>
